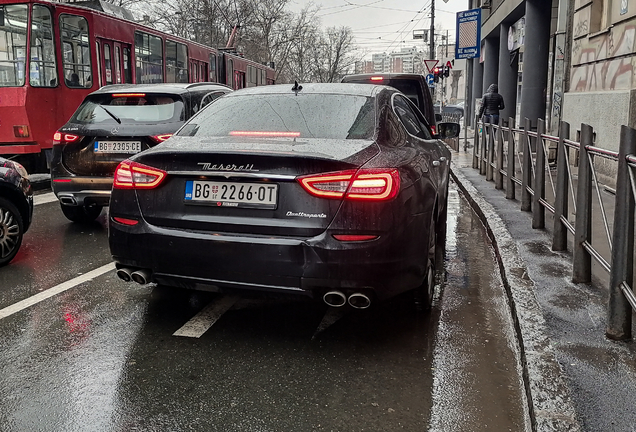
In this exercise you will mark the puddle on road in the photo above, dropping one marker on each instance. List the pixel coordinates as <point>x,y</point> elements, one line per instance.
<point>477,382</point>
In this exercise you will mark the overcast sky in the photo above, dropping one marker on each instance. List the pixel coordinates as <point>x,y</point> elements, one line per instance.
<point>386,25</point>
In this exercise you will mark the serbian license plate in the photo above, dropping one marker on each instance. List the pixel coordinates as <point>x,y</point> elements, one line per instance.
<point>117,146</point>
<point>230,194</point>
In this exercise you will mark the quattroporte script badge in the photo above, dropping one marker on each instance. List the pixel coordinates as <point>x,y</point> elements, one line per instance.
<point>306,215</point>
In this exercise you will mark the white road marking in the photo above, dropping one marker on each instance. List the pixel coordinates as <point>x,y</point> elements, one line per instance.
<point>205,319</point>
<point>44,198</point>
<point>28,302</point>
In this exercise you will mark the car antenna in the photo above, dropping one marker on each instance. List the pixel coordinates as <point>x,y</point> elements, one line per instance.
<point>296,88</point>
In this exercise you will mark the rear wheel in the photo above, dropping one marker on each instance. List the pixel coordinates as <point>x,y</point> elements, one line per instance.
<point>11,231</point>
<point>81,214</point>
<point>423,294</point>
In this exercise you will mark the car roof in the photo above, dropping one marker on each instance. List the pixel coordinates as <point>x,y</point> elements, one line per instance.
<point>314,88</point>
<point>384,75</point>
<point>176,88</point>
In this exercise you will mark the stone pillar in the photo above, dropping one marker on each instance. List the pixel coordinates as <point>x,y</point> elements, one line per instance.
<point>478,89</point>
<point>491,62</point>
<point>507,75</point>
<point>535,60</point>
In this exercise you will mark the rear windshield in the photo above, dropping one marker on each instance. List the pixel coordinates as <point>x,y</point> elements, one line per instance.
<point>410,88</point>
<point>330,116</point>
<point>113,109</point>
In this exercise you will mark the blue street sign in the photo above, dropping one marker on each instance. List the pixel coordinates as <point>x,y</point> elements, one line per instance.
<point>430,80</point>
<point>468,40</point>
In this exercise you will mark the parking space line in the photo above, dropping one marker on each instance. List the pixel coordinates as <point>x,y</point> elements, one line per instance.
<point>28,302</point>
<point>44,198</point>
<point>205,319</point>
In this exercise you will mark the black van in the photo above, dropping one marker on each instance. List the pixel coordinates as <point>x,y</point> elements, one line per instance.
<point>412,86</point>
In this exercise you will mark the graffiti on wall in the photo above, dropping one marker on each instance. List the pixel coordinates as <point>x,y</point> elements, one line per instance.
<point>604,62</point>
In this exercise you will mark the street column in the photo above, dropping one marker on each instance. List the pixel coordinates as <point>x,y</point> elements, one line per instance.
<point>491,62</point>
<point>535,60</point>
<point>507,75</point>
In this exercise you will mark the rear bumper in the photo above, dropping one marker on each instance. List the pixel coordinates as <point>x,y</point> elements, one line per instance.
<point>82,190</point>
<point>301,266</point>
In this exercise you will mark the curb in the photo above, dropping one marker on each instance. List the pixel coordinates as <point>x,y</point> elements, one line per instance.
<point>550,406</point>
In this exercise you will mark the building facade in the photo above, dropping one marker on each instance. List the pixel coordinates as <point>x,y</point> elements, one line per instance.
<point>570,60</point>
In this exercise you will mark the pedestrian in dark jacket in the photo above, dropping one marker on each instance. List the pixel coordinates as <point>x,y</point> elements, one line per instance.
<point>491,103</point>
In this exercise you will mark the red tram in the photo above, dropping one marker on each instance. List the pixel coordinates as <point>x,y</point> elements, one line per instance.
<point>53,54</point>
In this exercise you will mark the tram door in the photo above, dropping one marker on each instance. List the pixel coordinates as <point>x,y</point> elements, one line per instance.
<point>106,62</point>
<point>122,69</point>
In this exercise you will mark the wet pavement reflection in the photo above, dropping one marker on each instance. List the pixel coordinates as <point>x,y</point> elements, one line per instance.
<point>103,355</point>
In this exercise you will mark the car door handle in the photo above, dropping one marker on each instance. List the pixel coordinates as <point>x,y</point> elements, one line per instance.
<point>442,159</point>
<point>436,163</point>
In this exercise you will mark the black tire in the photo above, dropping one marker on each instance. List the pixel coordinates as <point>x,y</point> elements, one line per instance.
<point>81,214</point>
<point>423,295</point>
<point>11,231</point>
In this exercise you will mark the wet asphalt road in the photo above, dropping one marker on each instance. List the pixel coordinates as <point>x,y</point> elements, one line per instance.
<point>102,354</point>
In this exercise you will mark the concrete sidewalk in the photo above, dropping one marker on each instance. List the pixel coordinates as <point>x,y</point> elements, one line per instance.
<point>576,378</point>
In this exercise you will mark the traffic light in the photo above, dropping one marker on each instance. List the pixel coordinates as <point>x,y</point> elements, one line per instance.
<point>446,71</point>
<point>436,74</point>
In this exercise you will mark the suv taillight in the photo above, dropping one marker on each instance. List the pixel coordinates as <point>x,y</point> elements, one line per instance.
<point>64,138</point>
<point>133,175</point>
<point>364,184</point>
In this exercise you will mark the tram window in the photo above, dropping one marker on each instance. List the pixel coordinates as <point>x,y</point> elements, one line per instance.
<point>230,74</point>
<point>251,76</point>
<point>148,58</point>
<point>42,69</point>
<point>127,67</point>
<point>13,45</point>
<point>212,68</point>
<point>117,65</point>
<point>76,54</point>
<point>263,79</point>
<point>176,62</point>
<point>202,72</point>
<point>108,67</point>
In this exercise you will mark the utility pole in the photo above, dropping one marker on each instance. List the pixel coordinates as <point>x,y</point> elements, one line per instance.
<point>432,35</point>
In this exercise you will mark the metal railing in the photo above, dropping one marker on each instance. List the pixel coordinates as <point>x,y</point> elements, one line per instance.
<point>557,174</point>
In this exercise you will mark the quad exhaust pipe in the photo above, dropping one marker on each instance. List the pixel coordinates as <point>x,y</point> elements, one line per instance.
<point>355,300</point>
<point>140,276</point>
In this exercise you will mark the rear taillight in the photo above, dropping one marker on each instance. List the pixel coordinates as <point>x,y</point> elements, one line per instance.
<point>64,138</point>
<point>133,175</point>
<point>160,138</point>
<point>21,131</point>
<point>365,184</point>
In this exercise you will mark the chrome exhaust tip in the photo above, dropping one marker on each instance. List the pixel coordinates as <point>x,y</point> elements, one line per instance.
<point>141,276</point>
<point>68,200</point>
<point>124,274</point>
<point>359,301</point>
<point>335,298</point>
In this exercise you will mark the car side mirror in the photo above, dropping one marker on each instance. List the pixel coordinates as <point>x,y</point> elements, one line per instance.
<point>438,117</point>
<point>448,130</point>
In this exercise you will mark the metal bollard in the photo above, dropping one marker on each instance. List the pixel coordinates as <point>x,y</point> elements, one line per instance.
<point>512,148</point>
<point>526,180</point>
<point>476,143</point>
<point>499,164</point>
<point>482,148</point>
<point>491,150</point>
<point>582,259</point>
<point>538,211</point>
<point>619,320</point>
<point>561,207</point>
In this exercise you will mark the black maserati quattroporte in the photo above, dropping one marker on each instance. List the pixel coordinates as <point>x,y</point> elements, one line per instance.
<point>331,191</point>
